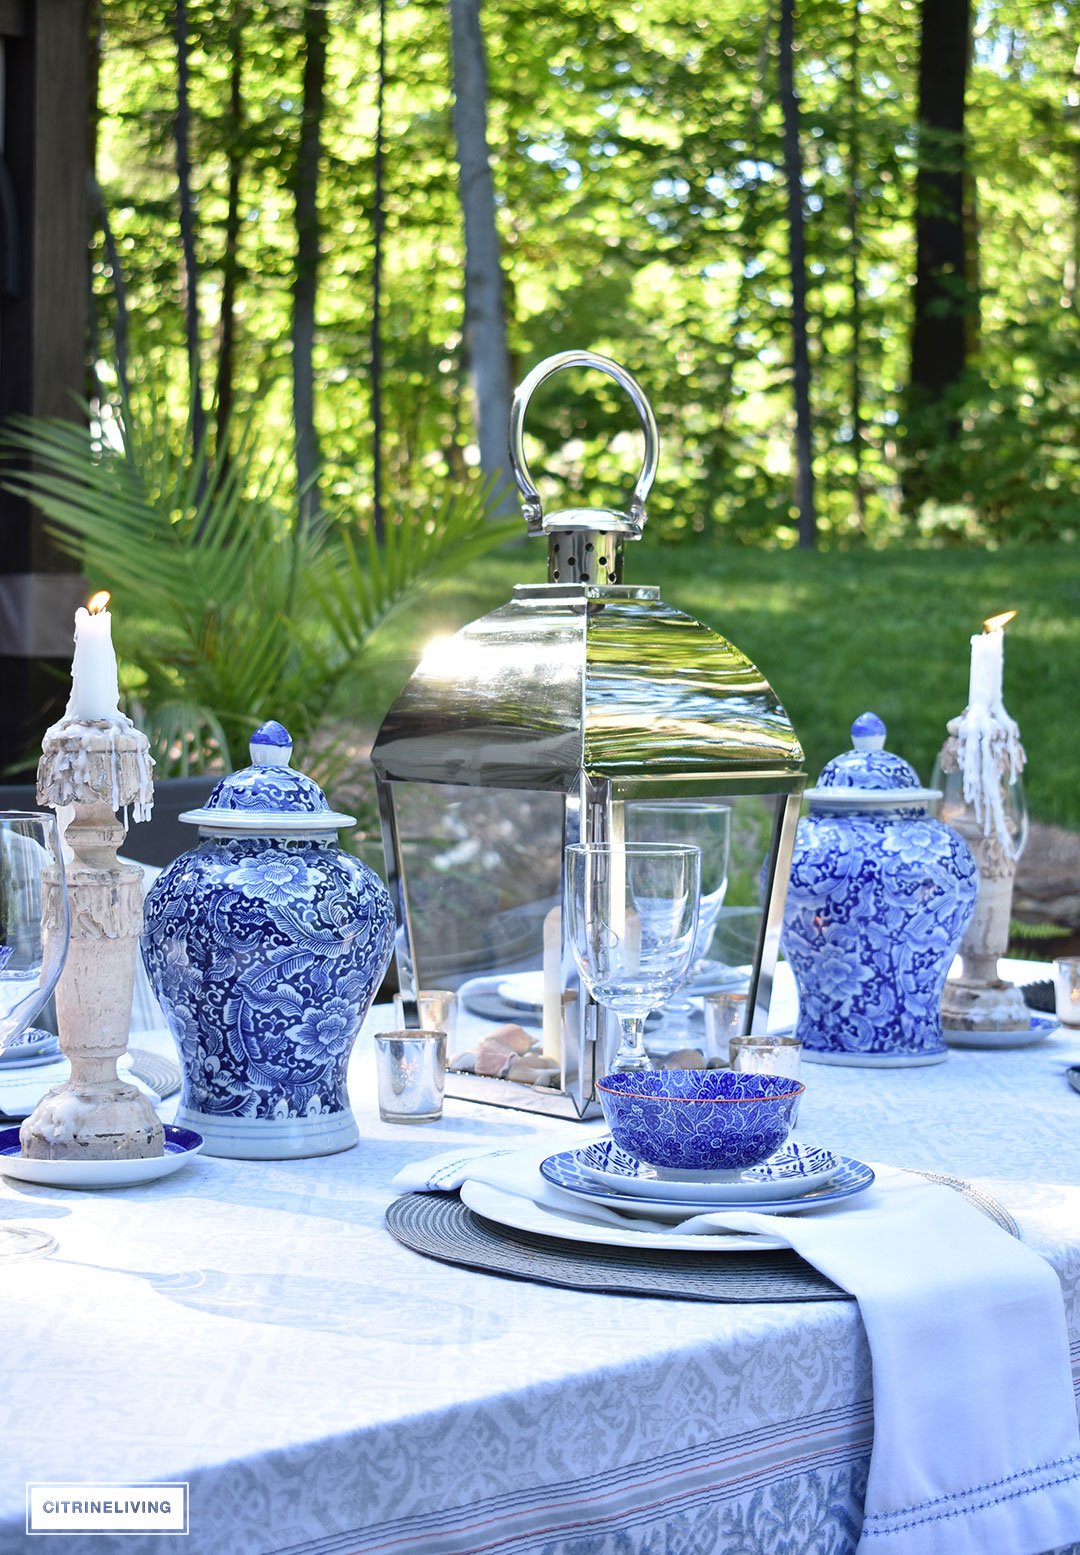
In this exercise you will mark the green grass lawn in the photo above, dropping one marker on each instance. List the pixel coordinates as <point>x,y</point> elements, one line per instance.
<point>836,633</point>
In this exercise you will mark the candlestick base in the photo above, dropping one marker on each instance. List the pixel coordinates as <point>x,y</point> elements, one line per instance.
<point>92,1123</point>
<point>95,768</point>
<point>978,1005</point>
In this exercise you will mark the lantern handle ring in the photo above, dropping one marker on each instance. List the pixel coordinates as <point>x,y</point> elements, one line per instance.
<point>629,523</point>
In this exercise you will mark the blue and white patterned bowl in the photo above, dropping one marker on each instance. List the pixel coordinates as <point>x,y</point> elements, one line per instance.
<point>699,1120</point>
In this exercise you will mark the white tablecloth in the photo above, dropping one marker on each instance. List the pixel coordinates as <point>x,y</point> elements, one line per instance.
<point>251,1328</point>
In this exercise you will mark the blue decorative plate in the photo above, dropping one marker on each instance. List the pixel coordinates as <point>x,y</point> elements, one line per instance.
<point>181,1146</point>
<point>1038,1027</point>
<point>563,1171</point>
<point>785,1175</point>
<point>31,1047</point>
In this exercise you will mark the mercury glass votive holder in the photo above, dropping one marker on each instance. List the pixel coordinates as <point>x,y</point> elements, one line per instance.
<point>1067,990</point>
<point>438,1011</point>
<point>725,1017</point>
<point>411,1069</point>
<point>767,1055</point>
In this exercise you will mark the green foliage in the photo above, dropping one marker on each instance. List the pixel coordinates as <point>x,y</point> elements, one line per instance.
<point>637,159</point>
<point>837,634</point>
<point>227,610</point>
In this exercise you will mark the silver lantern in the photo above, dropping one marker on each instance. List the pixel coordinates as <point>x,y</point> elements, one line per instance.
<point>553,720</point>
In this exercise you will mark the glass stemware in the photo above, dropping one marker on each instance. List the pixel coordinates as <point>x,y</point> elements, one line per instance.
<point>633,916</point>
<point>690,823</point>
<point>34,929</point>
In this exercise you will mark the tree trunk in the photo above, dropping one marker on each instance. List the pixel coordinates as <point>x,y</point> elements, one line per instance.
<point>230,265</point>
<point>378,225</point>
<point>942,299</point>
<point>485,320</point>
<point>94,28</point>
<point>305,287</point>
<point>181,130</point>
<point>855,242</point>
<point>120,313</point>
<point>804,455</point>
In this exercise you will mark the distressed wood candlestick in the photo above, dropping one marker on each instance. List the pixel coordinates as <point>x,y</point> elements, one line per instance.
<point>979,999</point>
<point>89,770</point>
<point>979,769</point>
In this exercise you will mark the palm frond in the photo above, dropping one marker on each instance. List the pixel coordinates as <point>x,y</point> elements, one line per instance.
<point>228,609</point>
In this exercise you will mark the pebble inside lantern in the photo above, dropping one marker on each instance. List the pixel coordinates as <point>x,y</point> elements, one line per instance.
<point>544,724</point>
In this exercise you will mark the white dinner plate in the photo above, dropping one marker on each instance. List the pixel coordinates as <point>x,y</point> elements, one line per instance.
<point>562,1172</point>
<point>522,990</point>
<point>509,1209</point>
<point>1038,1027</point>
<point>789,1173</point>
<point>181,1146</point>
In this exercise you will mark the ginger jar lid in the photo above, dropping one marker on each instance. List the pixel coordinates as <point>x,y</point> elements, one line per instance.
<point>269,796</point>
<point>868,777</point>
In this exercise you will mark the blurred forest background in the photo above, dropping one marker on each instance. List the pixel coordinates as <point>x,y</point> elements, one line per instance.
<point>837,241</point>
<point>839,244</point>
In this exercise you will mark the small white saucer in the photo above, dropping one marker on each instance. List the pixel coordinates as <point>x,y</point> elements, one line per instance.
<point>1038,1027</point>
<point>181,1146</point>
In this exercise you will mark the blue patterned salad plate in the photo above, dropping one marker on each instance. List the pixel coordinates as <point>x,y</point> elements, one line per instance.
<point>699,1120</point>
<point>31,1047</point>
<point>785,1175</point>
<point>563,1171</point>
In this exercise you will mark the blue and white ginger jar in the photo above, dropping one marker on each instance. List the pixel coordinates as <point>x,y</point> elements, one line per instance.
<point>265,946</point>
<point>880,895</point>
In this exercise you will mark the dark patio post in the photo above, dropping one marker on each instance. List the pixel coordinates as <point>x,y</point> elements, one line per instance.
<point>43,288</point>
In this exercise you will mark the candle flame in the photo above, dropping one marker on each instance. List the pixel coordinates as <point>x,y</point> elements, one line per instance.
<point>996,623</point>
<point>98,603</point>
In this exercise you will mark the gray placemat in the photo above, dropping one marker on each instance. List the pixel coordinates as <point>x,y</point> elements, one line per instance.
<point>160,1074</point>
<point>440,1226</point>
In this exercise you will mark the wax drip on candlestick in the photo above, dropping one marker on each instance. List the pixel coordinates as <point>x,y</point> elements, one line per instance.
<point>987,740</point>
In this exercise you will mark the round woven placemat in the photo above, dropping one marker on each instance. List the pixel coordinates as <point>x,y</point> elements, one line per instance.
<point>440,1226</point>
<point>160,1074</point>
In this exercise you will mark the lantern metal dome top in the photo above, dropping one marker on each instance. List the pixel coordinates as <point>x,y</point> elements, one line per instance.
<point>585,677</point>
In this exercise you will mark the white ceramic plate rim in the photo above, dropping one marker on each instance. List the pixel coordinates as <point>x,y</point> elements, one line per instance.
<point>96,1174</point>
<point>693,1190</point>
<point>509,1209</point>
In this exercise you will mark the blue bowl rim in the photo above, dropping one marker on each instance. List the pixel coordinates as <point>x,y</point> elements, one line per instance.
<point>797,1089</point>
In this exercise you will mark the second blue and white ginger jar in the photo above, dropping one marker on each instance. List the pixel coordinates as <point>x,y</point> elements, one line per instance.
<point>880,895</point>
<point>265,946</point>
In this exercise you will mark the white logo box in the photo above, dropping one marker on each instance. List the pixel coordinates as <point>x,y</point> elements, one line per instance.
<point>139,1508</point>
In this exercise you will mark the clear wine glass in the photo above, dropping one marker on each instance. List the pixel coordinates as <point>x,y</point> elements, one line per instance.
<point>633,915</point>
<point>34,930</point>
<point>691,823</point>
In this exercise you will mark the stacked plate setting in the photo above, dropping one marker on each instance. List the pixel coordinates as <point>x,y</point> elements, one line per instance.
<point>798,1177</point>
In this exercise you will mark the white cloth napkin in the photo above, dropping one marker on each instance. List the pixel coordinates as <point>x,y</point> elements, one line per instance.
<point>976,1449</point>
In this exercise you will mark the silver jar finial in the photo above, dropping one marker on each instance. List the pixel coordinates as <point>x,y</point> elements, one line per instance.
<point>585,545</point>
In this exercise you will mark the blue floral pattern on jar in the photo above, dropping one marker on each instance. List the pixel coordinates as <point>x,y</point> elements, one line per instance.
<point>877,903</point>
<point>268,788</point>
<point>265,954</point>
